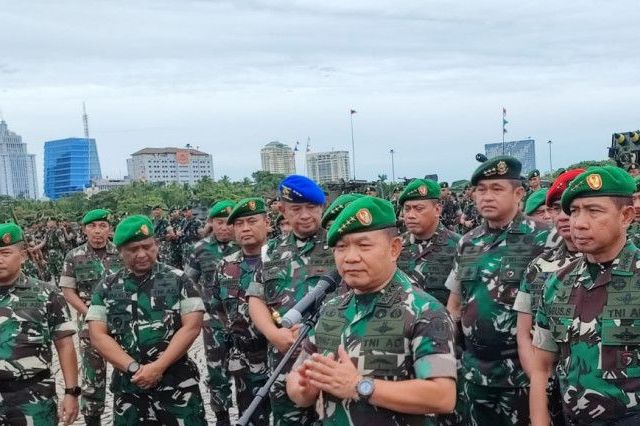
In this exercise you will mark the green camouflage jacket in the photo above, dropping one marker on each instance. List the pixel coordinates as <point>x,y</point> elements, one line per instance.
<point>633,233</point>
<point>143,314</point>
<point>160,228</point>
<point>429,262</point>
<point>189,228</point>
<point>487,271</point>
<point>33,314</point>
<point>450,212</point>
<point>594,326</point>
<point>398,333</point>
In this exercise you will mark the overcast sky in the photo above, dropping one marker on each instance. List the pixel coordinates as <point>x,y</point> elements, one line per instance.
<point>428,78</point>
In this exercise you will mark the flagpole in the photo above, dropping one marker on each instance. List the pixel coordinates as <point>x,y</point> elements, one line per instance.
<point>504,124</point>
<point>353,145</point>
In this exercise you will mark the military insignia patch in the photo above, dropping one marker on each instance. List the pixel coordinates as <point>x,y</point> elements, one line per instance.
<point>251,205</point>
<point>286,192</point>
<point>422,190</point>
<point>502,168</point>
<point>364,217</point>
<point>144,229</point>
<point>6,238</point>
<point>594,181</point>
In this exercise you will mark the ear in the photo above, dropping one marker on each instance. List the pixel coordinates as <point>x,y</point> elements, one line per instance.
<point>519,191</point>
<point>396,247</point>
<point>628,215</point>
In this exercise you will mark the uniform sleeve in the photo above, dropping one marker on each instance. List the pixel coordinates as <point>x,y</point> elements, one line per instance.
<point>542,336</point>
<point>98,310</point>
<point>256,288</point>
<point>192,268</point>
<point>523,298</point>
<point>453,283</point>
<point>432,344</point>
<point>59,317</point>
<point>67,278</point>
<point>190,300</point>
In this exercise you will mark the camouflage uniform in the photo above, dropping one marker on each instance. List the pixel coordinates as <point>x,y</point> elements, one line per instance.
<point>633,233</point>
<point>160,231</point>
<point>398,333</point>
<point>429,262</point>
<point>143,315</point>
<point>592,323</point>
<point>201,268</point>
<point>470,212</point>
<point>487,271</point>
<point>54,252</point>
<point>290,268</point>
<point>174,250</point>
<point>33,315</point>
<point>248,353</point>
<point>450,212</point>
<point>190,236</point>
<point>83,269</point>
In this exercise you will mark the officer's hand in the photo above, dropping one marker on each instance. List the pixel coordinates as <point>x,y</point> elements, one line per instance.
<point>339,378</point>
<point>68,409</point>
<point>300,382</point>
<point>283,338</point>
<point>147,376</point>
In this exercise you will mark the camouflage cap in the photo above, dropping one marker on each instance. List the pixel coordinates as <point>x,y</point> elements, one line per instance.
<point>500,167</point>
<point>222,208</point>
<point>247,207</point>
<point>535,200</point>
<point>599,181</point>
<point>362,215</point>
<point>10,233</point>
<point>421,189</point>
<point>131,229</point>
<point>533,173</point>
<point>96,215</point>
<point>337,206</point>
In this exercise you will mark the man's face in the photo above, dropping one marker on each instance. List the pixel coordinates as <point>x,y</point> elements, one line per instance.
<point>420,216</point>
<point>561,221</point>
<point>221,231</point>
<point>97,233</point>
<point>304,218</point>
<point>542,214</point>
<point>534,182</point>
<point>497,198</point>
<point>597,223</point>
<point>444,192</point>
<point>51,224</point>
<point>371,192</point>
<point>140,256</point>
<point>251,231</point>
<point>275,206</point>
<point>366,259</point>
<point>636,205</point>
<point>11,259</point>
<point>634,172</point>
<point>157,213</point>
<point>187,213</point>
<point>285,228</point>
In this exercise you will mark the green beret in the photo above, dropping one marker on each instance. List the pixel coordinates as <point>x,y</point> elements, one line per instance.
<point>444,185</point>
<point>10,233</point>
<point>96,215</point>
<point>533,173</point>
<point>421,189</point>
<point>535,200</point>
<point>132,228</point>
<point>500,167</point>
<point>362,215</point>
<point>222,208</point>
<point>337,206</point>
<point>247,207</point>
<point>600,181</point>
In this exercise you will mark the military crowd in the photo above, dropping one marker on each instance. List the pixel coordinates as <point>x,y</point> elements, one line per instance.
<point>508,304</point>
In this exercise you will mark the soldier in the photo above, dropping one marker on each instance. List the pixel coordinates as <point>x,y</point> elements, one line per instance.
<point>382,353</point>
<point>427,246</point>
<point>33,315</point>
<point>172,236</point>
<point>160,226</point>
<point>470,217</point>
<point>633,170</point>
<point>534,180</point>
<point>536,208</point>
<point>336,207</point>
<point>54,248</point>
<point>143,319</point>
<point>201,268</point>
<point>248,353</point>
<point>189,227</point>
<point>291,266</point>
<point>634,229</point>
<point>83,268</point>
<point>450,215</point>
<point>534,278</point>
<point>589,311</point>
<point>371,191</point>
<point>487,270</point>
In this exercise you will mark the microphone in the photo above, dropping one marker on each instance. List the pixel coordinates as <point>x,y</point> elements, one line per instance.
<point>326,284</point>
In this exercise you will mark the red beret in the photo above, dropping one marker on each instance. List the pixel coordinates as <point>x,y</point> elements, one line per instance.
<point>560,184</point>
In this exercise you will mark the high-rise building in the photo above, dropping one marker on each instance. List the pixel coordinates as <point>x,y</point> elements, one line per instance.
<point>524,150</point>
<point>182,165</point>
<point>278,158</point>
<point>328,166</point>
<point>17,167</point>
<point>70,165</point>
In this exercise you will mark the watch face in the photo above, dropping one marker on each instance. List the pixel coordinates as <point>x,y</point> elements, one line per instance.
<point>365,387</point>
<point>133,367</point>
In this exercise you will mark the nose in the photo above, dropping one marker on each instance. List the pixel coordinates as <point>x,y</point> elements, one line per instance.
<point>578,220</point>
<point>351,255</point>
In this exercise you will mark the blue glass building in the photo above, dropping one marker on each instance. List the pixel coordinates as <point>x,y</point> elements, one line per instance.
<point>69,166</point>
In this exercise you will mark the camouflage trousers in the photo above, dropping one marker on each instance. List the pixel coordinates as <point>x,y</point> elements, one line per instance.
<point>162,408</point>
<point>250,372</point>
<point>93,378</point>
<point>285,411</point>
<point>486,405</point>
<point>33,405</point>
<point>217,345</point>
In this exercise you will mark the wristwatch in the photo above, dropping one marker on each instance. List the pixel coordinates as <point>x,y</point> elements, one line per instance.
<point>74,391</point>
<point>133,367</point>
<point>365,388</point>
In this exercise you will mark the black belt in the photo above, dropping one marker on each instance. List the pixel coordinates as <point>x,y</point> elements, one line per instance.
<point>18,385</point>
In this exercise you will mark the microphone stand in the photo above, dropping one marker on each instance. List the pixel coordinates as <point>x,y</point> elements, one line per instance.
<point>308,323</point>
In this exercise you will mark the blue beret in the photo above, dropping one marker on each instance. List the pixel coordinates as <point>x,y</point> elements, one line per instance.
<point>300,189</point>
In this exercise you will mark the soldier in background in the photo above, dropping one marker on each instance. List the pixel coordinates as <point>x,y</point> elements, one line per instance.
<point>189,227</point>
<point>33,315</point>
<point>470,217</point>
<point>634,229</point>
<point>536,207</point>
<point>160,226</point>
<point>143,319</point>
<point>83,269</point>
<point>450,215</point>
<point>54,248</point>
